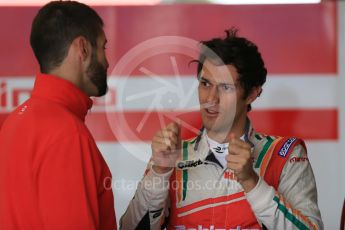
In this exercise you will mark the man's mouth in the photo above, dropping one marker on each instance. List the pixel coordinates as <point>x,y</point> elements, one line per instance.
<point>211,112</point>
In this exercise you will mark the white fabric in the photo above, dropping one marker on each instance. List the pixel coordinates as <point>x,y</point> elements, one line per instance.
<point>220,150</point>
<point>276,209</point>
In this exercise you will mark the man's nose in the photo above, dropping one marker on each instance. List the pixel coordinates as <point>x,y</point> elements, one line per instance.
<point>213,95</point>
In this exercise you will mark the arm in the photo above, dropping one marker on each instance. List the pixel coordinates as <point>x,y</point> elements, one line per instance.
<point>148,207</point>
<point>69,184</point>
<point>294,205</point>
<point>150,203</point>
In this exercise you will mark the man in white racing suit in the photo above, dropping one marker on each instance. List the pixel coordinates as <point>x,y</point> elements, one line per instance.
<point>228,176</point>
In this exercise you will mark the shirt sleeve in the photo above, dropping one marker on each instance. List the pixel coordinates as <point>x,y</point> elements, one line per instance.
<point>149,205</point>
<point>69,185</point>
<point>294,205</point>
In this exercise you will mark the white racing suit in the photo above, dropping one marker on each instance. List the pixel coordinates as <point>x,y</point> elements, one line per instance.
<point>200,194</point>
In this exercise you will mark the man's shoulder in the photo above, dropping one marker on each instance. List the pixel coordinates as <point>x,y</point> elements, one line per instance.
<point>272,146</point>
<point>44,117</point>
<point>274,140</point>
<point>273,154</point>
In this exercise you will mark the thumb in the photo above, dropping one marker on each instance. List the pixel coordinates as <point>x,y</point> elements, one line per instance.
<point>232,137</point>
<point>179,127</point>
<point>175,127</point>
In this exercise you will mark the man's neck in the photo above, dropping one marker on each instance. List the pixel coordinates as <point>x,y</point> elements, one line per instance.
<point>65,73</point>
<point>238,129</point>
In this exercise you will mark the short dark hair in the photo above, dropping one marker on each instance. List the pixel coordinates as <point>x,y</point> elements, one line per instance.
<point>239,52</point>
<point>56,25</point>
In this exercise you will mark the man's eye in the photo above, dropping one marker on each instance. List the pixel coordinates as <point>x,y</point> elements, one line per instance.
<point>205,83</point>
<point>227,87</point>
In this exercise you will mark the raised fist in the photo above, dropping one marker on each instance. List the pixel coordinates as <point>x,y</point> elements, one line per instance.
<point>166,145</point>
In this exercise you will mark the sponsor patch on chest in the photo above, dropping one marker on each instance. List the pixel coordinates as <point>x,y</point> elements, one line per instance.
<point>189,164</point>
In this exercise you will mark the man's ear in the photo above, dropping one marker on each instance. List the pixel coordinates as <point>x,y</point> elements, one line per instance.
<point>254,93</point>
<point>84,47</point>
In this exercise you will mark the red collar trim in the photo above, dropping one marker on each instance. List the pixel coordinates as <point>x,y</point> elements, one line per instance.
<point>61,91</point>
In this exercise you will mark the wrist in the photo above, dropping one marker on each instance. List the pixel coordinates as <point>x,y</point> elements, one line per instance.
<point>250,183</point>
<point>160,170</point>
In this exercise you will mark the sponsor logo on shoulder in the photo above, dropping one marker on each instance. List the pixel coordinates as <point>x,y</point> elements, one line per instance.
<point>189,164</point>
<point>286,147</point>
<point>298,159</point>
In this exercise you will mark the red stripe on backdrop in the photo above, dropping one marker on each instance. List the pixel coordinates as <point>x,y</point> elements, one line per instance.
<point>320,124</point>
<point>287,35</point>
<point>313,124</point>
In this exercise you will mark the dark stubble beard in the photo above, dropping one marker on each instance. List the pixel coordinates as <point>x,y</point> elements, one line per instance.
<point>98,75</point>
